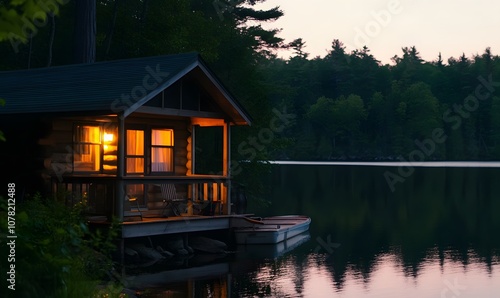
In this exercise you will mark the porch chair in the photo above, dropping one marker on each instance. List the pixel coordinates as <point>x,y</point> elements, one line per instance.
<point>170,198</point>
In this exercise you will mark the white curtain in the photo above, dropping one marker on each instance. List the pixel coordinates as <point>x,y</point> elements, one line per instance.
<point>161,151</point>
<point>135,147</point>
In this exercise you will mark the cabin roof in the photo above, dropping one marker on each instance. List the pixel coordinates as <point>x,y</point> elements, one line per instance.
<point>116,87</point>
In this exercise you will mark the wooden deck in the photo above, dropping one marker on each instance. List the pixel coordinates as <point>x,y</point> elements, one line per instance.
<point>154,226</point>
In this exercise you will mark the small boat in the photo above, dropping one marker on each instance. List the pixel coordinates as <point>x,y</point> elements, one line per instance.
<point>270,230</point>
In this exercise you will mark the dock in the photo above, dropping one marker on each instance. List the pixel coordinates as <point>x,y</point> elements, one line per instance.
<point>157,226</point>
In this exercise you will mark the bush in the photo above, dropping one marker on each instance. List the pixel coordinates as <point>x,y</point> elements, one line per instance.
<point>56,254</point>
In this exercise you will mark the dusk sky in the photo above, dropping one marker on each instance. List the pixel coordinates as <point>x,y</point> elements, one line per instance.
<point>451,27</point>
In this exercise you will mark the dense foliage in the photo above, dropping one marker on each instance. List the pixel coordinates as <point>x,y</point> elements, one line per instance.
<point>346,105</point>
<point>56,255</point>
<point>350,106</point>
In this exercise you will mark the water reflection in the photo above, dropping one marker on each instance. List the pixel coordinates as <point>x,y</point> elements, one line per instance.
<point>316,275</point>
<point>439,274</point>
<point>436,235</point>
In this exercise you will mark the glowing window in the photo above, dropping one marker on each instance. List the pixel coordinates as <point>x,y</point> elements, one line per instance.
<point>87,155</point>
<point>162,150</point>
<point>135,151</point>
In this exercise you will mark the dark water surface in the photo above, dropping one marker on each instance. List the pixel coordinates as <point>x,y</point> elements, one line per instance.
<point>435,233</point>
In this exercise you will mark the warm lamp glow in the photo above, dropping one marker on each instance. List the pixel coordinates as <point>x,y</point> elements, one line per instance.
<point>108,137</point>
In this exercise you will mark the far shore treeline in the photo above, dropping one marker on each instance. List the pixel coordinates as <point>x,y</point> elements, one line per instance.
<point>343,106</point>
<point>350,106</point>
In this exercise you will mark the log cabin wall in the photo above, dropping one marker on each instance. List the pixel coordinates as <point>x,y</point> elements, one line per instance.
<point>181,134</point>
<point>152,199</point>
<point>55,150</point>
<point>58,151</point>
<point>58,146</point>
<point>189,151</point>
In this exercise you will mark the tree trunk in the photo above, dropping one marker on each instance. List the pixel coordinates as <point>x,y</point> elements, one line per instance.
<point>85,31</point>
<point>111,30</point>
<point>52,35</point>
<point>145,6</point>
<point>142,23</point>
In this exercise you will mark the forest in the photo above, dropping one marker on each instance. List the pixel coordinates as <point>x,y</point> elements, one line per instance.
<point>346,105</point>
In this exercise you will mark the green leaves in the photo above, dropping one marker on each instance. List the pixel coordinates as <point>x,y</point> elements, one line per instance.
<point>55,252</point>
<point>339,119</point>
<point>340,115</point>
<point>21,18</point>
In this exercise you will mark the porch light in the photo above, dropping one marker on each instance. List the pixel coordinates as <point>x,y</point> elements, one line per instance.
<point>108,137</point>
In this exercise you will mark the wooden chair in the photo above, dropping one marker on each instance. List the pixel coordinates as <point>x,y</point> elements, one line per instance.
<point>170,198</point>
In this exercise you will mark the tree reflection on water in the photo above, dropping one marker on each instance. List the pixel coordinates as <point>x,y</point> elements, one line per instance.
<point>435,236</point>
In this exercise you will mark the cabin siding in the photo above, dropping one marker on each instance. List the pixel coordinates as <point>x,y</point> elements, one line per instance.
<point>181,135</point>
<point>55,146</point>
<point>56,159</point>
<point>180,158</point>
<point>152,201</point>
<point>59,164</point>
<point>189,152</point>
<point>58,146</point>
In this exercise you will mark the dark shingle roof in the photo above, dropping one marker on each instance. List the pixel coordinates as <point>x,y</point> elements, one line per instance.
<point>101,86</point>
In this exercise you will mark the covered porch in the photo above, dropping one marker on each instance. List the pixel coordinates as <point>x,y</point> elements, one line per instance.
<point>142,197</point>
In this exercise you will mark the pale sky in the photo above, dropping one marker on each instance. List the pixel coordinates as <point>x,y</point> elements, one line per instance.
<point>451,27</point>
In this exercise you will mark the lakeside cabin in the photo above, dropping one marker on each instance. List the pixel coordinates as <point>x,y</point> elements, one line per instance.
<point>121,137</point>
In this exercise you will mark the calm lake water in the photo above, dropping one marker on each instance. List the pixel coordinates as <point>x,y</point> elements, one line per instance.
<point>435,233</point>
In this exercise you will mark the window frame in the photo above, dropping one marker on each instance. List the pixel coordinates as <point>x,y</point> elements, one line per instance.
<point>148,148</point>
<point>77,143</point>
<point>144,156</point>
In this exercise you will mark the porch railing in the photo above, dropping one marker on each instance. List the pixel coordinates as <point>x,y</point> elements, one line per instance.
<point>142,196</point>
